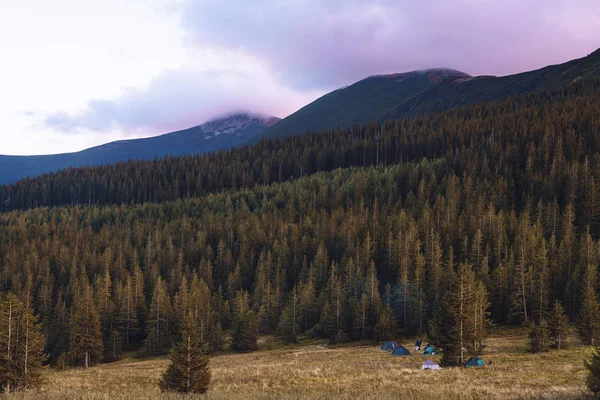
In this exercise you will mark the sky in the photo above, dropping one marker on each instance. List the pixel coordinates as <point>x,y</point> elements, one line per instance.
<point>79,73</point>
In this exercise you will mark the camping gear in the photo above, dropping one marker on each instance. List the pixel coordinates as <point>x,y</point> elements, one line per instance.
<point>430,351</point>
<point>474,362</point>
<point>389,345</point>
<point>430,365</point>
<point>401,351</point>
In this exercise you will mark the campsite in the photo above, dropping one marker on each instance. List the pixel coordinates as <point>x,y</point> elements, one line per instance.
<point>317,370</point>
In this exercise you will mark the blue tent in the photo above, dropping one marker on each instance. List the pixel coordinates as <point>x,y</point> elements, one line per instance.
<point>430,351</point>
<point>389,345</point>
<point>401,351</point>
<point>474,362</point>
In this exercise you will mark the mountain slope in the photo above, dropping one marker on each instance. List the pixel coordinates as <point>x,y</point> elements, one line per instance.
<point>461,92</point>
<point>214,135</point>
<point>362,102</point>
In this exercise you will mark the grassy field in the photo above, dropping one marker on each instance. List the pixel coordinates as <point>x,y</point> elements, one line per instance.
<point>318,371</point>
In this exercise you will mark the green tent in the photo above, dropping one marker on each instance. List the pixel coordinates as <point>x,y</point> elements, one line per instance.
<point>430,351</point>
<point>401,351</point>
<point>474,362</point>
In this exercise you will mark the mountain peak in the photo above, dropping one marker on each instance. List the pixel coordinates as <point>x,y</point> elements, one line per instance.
<point>235,124</point>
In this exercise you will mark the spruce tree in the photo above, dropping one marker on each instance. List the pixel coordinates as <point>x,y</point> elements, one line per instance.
<point>86,338</point>
<point>189,371</point>
<point>539,337</point>
<point>558,324</point>
<point>385,329</point>
<point>593,366</point>
<point>244,327</point>
<point>288,322</point>
<point>588,319</point>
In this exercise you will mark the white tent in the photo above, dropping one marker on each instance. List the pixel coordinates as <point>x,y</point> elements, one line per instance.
<point>430,365</point>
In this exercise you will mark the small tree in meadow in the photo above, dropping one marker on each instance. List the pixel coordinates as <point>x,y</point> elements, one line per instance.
<point>558,324</point>
<point>539,337</point>
<point>189,371</point>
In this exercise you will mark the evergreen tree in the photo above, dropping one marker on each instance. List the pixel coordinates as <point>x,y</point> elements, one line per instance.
<point>593,366</point>
<point>244,327</point>
<point>21,344</point>
<point>158,337</point>
<point>588,320</point>
<point>86,338</point>
<point>539,337</point>
<point>189,371</point>
<point>288,322</point>
<point>385,329</point>
<point>558,325</point>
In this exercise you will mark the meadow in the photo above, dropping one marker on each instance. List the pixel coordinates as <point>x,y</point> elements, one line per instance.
<point>316,370</point>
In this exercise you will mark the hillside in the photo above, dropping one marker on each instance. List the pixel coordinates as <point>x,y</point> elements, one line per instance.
<point>362,102</point>
<point>213,135</point>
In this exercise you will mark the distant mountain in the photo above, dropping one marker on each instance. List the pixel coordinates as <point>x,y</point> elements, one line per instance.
<point>362,102</point>
<point>222,133</point>
<point>461,92</point>
<point>378,98</point>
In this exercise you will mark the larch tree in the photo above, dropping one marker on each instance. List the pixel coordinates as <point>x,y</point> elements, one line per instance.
<point>21,344</point>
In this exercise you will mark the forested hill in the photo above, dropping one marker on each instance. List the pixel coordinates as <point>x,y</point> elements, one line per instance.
<point>501,198</point>
<point>546,130</point>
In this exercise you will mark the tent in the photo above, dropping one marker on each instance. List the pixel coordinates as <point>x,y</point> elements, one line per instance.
<point>430,365</point>
<point>401,351</point>
<point>389,345</point>
<point>474,362</point>
<point>430,351</point>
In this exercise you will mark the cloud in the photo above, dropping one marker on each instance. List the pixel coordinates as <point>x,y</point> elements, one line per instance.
<point>325,44</point>
<point>274,56</point>
<point>218,82</point>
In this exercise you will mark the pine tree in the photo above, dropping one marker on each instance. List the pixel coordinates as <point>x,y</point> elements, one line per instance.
<point>86,338</point>
<point>558,325</point>
<point>189,371</point>
<point>593,366</point>
<point>588,320</point>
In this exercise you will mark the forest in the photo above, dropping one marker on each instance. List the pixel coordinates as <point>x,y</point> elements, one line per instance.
<point>343,234</point>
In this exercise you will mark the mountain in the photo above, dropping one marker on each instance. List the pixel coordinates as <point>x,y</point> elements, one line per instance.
<point>395,96</point>
<point>362,102</point>
<point>222,133</point>
<point>461,92</point>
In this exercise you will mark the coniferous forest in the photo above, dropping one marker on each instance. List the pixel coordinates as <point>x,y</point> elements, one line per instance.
<point>362,233</point>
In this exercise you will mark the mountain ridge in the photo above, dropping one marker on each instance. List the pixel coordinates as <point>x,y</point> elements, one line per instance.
<point>233,130</point>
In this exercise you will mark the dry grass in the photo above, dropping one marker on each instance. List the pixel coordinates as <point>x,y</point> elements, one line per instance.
<point>322,372</point>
